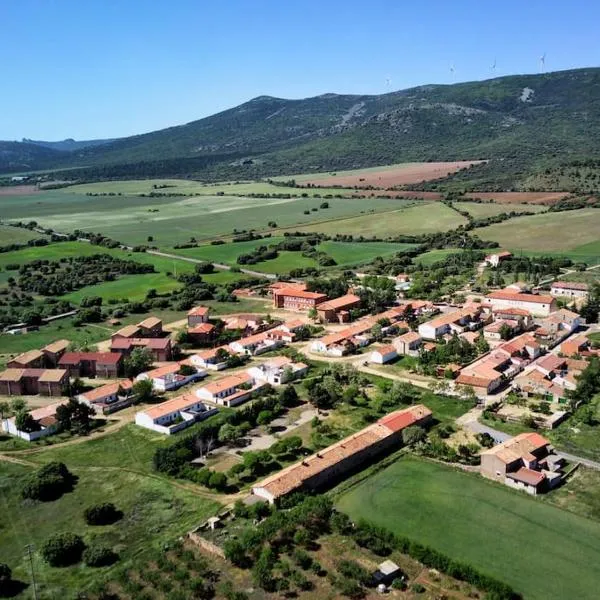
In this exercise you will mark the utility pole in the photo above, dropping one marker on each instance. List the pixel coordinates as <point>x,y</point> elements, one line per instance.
<point>29,549</point>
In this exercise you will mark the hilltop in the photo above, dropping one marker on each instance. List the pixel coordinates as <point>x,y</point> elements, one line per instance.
<point>536,119</point>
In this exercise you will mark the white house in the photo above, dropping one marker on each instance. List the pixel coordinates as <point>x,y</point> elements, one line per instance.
<point>569,289</point>
<point>229,391</point>
<point>174,415</point>
<point>255,344</point>
<point>495,259</point>
<point>108,398</point>
<point>214,359</point>
<point>169,378</point>
<point>383,354</point>
<point>537,304</point>
<point>408,343</point>
<point>45,419</point>
<point>278,370</point>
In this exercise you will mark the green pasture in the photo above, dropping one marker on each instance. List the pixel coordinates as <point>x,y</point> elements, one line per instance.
<point>17,235</point>
<point>573,233</point>
<point>413,220</point>
<point>225,253</point>
<point>503,532</point>
<point>491,209</point>
<point>348,253</point>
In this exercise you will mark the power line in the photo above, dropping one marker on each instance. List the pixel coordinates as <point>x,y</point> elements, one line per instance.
<point>29,549</point>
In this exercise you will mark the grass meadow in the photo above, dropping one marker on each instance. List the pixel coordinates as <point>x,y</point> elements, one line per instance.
<point>17,235</point>
<point>574,233</point>
<point>491,209</point>
<point>412,220</point>
<point>502,532</point>
<point>154,512</point>
<point>348,253</point>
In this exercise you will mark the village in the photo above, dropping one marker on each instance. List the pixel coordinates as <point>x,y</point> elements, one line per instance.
<point>513,351</point>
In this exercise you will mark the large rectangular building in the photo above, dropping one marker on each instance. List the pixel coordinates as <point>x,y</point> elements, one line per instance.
<point>539,305</point>
<point>290,298</point>
<point>325,466</point>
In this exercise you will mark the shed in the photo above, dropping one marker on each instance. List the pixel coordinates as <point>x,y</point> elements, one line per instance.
<point>386,572</point>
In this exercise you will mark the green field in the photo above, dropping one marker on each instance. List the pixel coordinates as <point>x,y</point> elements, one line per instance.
<point>182,186</point>
<point>574,233</point>
<point>433,256</point>
<point>17,235</point>
<point>131,219</point>
<point>348,253</point>
<point>225,253</point>
<point>414,220</point>
<point>502,532</point>
<point>155,512</point>
<point>284,263</point>
<point>484,210</point>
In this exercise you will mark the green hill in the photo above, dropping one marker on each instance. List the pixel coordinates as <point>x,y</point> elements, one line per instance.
<point>535,119</point>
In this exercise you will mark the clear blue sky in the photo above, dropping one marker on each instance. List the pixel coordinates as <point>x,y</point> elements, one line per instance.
<point>107,68</point>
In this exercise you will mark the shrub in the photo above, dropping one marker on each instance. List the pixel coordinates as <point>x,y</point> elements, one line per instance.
<point>417,588</point>
<point>102,514</point>
<point>5,579</point>
<point>350,569</point>
<point>62,549</point>
<point>99,556</point>
<point>48,483</point>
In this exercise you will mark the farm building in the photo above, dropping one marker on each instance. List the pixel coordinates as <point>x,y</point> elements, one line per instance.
<point>24,382</point>
<point>44,419</point>
<point>92,364</point>
<point>569,289</point>
<point>34,359</point>
<point>174,415</point>
<point>537,304</point>
<point>148,328</point>
<point>526,462</point>
<point>327,465</point>
<point>495,259</point>
<point>108,398</point>
<point>290,298</point>
<point>53,352</point>
<point>408,343</point>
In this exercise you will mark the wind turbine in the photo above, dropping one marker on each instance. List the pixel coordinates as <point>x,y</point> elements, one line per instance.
<point>494,67</point>
<point>452,70</point>
<point>542,62</point>
<point>388,82</point>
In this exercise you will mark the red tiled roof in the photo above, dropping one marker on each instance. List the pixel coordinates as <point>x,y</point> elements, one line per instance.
<point>527,476</point>
<point>106,390</point>
<point>296,293</point>
<point>74,358</point>
<point>340,303</point>
<point>508,295</point>
<point>201,328</point>
<point>198,311</point>
<point>570,285</point>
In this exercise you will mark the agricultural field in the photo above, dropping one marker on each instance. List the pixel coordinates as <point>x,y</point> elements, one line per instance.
<point>384,177</point>
<point>350,253</point>
<point>183,186</point>
<point>172,221</point>
<point>284,263</point>
<point>482,523</point>
<point>225,253</point>
<point>17,235</point>
<point>429,258</point>
<point>414,220</point>
<point>548,198</point>
<point>490,209</point>
<point>150,504</point>
<point>572,233</point>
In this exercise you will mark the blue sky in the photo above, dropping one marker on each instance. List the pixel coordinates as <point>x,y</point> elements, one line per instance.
<point>108,68</point>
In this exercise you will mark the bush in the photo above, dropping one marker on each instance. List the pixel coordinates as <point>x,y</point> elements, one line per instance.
<point>99,556</point>
<point>62,549</point>
<point>5,579</point>
<point>102,514</point>
<point>417,588</point>
<point>48,483</point>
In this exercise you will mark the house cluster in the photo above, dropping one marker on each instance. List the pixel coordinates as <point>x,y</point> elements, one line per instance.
<point>44,418</point>
<point>329,464</point>
<point>469,318</point>
<point>360,334</point>
<point>147,334</point>
<point>526,462</point>
<point>177,413</point>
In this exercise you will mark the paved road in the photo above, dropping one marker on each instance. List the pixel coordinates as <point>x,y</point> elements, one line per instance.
<point>215,265</point>
<point>586,462</point>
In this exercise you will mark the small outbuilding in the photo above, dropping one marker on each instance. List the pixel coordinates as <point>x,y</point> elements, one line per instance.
<point>386,572</point>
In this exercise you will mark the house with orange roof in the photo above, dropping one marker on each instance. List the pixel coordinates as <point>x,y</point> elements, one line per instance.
<point>108,398</point>
<point>33,359</point>
<point>256,344</point>
<point>569,289</point>
<point>526,462</point>
<point>44,419</point>
<point>169,377</point>
<point>384,354</point>
<point>197,315</point>
<point>213,359</point>
<point>408,343</point>
<point>278,370</point>
<point>328,465</point>
<point>539,305</point>
<point>201,333</point>
<point>576,345</point>
<point>452,322</point>
<point>230,391</point>
<point>337,310</point>
<point>174,415</point>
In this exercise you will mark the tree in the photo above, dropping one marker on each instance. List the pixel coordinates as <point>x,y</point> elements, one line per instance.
<point>102,514</point>
<point>412,435</point>
<point>138,361</point>
<point>229,434</point>
<point>377,332</point>
<point>265,417</point>
<point>99,556</point>
<point>48,483</point>
<point>75,416</point>
<point>25,422</point>
<point>288,396</point>
<point>4,410</point>
<point>18,404</point>
<point>62,549</point>
<point>217,480</point>
<point>143,390</point>
<point>313,314</point>
<point>5,579</point>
